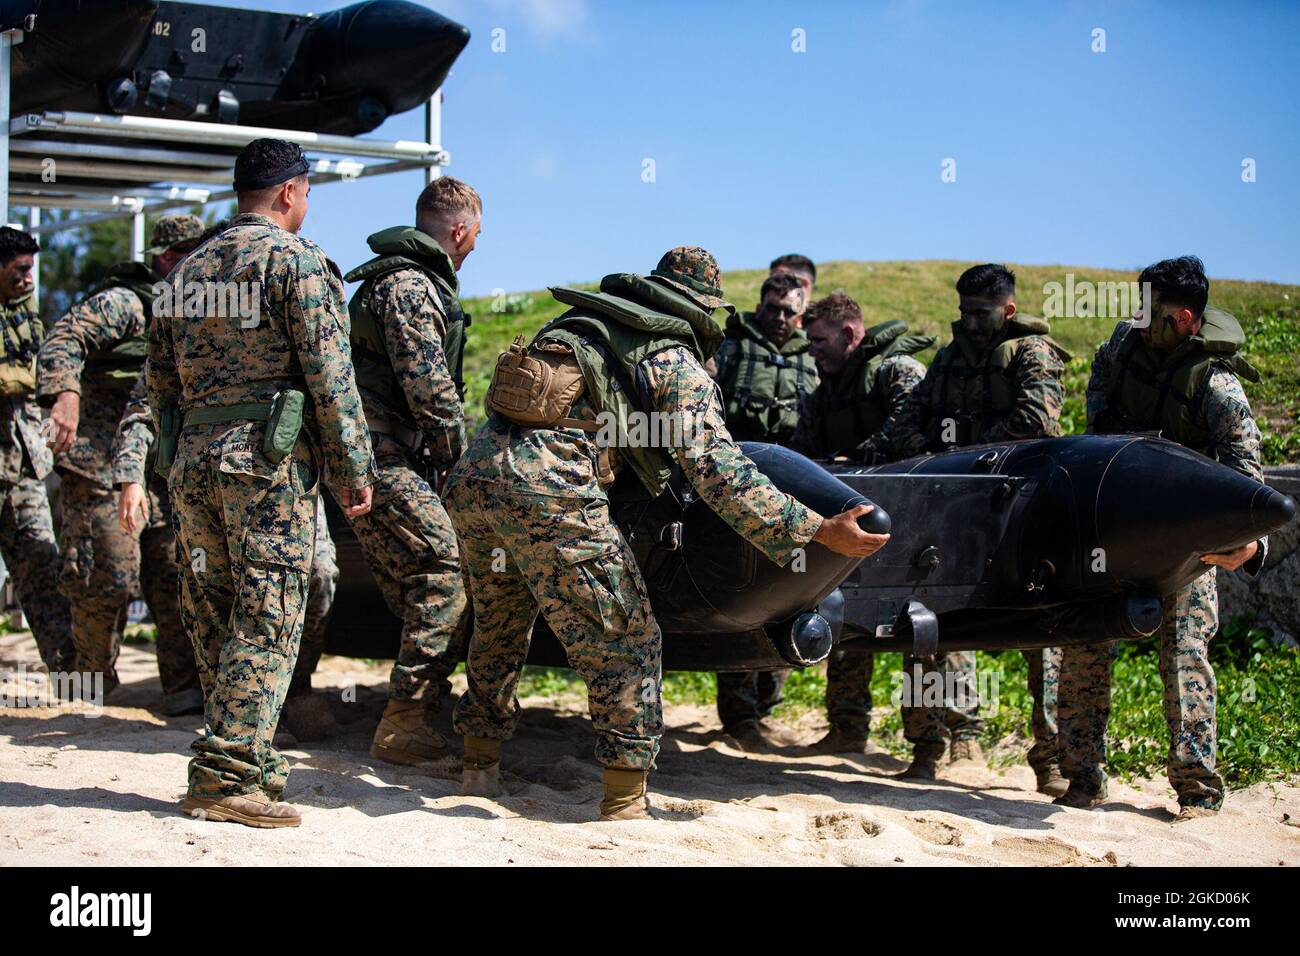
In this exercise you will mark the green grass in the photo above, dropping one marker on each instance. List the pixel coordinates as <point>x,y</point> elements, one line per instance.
<point>1257,711</point>
<point>921,293</point>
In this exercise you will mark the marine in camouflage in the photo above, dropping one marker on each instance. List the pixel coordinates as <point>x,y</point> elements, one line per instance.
<point>407,538</point>
<point>1011,389</point>
<point>27,539</point>
<point>247,525</point>
<point>536,534</point>
<point>1033,381</point>
<point>101,564</point>
<point>132,464</point>
<point>1191,616</point>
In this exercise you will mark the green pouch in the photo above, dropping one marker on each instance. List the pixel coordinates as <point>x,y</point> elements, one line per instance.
<point>284,425</point>
<point>169,435</point>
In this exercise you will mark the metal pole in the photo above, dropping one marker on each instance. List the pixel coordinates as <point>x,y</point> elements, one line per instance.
<point>34,223</point>
<point>433,131</point>
<point>137,237</point>
<point>8,40</point>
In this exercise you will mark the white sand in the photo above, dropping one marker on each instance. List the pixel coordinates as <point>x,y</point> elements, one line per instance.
<point>77,790</point>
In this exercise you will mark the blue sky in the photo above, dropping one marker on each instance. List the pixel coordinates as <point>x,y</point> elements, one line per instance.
<point>1063,155</point>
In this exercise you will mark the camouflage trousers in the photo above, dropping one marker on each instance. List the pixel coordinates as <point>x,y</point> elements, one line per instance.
<point>927,728</point>
<point>101,571</point>
<point>848,691</point>
<point>411,549</point>
<point>1191,619</point>
<point>249,528</point>
<point>1083,711</point>
<point>749,695</point>
<point>566,558</point>
<point>1044,688</point>
<point>320,601</point>
<point>924,726</point>
<point>32,555</point>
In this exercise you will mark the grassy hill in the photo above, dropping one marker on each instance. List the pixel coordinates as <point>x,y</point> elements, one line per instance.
<point>921,292</point>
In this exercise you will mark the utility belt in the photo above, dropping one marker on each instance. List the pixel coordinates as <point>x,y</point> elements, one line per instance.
<point>283,416</point>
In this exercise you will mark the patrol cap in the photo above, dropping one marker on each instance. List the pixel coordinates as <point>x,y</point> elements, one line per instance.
<point>173,230</point>
<point>694,272</point>
<point>268,162</point>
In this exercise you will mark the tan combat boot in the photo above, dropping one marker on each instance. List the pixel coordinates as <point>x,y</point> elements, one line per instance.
<point>968,748</point>
<point>1050,781</point>
<point>404,735</point>
<point>482,774</point>
<point>625,795</point>
<point>251,809</point>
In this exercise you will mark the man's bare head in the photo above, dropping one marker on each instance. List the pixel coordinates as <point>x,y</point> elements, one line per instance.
<point>451,212</point>
<point>834,328</point>
<point>781,302</point>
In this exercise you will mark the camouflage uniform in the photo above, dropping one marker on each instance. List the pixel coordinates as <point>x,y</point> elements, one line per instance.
<point>320,601</point>
<point>1009,391</point>
<point>1191,617</point>
<point>133,463</point>
<point>246,523</point>
<point>26,529</point>
<point>761,405</point>
<point>411,401</point>
<point>851,413</point>
<point>96,350</point>
<point>536,534</point>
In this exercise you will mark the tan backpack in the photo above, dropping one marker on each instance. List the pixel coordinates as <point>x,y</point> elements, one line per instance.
<point>537,386</point>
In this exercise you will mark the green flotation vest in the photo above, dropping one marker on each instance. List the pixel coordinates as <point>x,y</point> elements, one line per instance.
<point>977,389</point>
<point>612,332</point>
<point>1155,392</point>
<point>122,362</point>
<point>767,383</point>
<point>402,247</point>
<point>851,411</point>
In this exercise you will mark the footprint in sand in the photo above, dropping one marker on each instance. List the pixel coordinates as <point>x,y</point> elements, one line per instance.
<point>934,831</point>
<point>842,826</point>
<point>1047,851</point>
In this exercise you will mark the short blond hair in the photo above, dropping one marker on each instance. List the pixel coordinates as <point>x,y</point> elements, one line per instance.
<point>445,201</point>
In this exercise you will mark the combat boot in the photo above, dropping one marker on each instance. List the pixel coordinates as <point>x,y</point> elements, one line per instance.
<point>482,774</point>
<point>924,765</point>
<point>404,735</point>
<point>757,736</point>
<point>251,809</point>
<point>1082,796</point>
<point>308,717</point>
<point>1050,781</point>
<point>625,795</point>
<point>967,748</point>
<point>839,740</point>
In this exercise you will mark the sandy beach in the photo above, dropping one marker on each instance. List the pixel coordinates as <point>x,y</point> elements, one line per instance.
<point>77,788</point>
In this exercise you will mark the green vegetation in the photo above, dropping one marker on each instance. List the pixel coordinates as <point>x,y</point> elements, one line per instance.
<point>1258,709</point>
<point>921,292</point>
